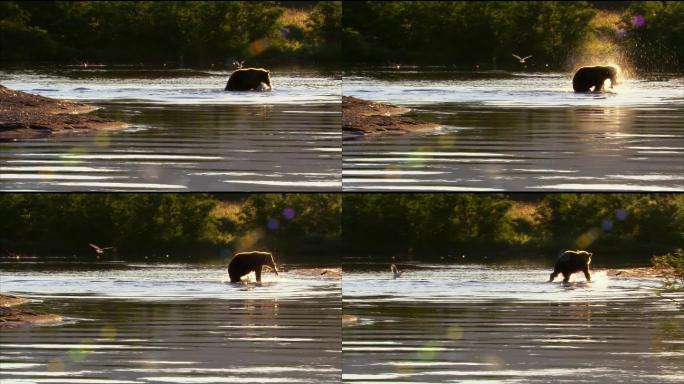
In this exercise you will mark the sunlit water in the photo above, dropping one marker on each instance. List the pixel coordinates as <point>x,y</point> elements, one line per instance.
<point>484,324</point>
<point>519,131</point>
<point>185,133</point>
<point>172,323</point>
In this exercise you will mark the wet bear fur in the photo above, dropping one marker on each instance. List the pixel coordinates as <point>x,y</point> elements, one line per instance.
<point>587,78</point>
<point>249,79</point>
<point>245,262</point>
<point>570,262</point>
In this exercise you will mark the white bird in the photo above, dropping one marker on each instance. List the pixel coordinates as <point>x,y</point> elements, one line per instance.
<point>521,59</point>
<point>395,271</point>
<point>238,64</point>
<point>99,250</point>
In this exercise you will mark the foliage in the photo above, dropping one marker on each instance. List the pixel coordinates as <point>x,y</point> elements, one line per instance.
<point>296,222</point>
<point>672,264</point>
<point>454,32</point>
<point>191,32</point>
<point>616,226</point>
<point>654,34</point>
<point>136,223</point>
<point>629,221</point>
<point>424,223</point>
<point>325,25</point>
<point>179,224</point>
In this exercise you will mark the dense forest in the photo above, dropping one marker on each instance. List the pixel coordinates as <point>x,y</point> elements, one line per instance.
<point>310,227</point>
<point>198,33</point>
<point>299,227</point>
<point>646,34</point>
<point>620,227</point>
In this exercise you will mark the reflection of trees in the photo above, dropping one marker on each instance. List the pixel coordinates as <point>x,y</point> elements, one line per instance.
<point>668,328</point>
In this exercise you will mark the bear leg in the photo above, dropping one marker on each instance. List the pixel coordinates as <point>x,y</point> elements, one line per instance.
<point>586,274</point>
<point>553,276</point>
<point>234,278</point>
<point>257,272</point>
<point>566,277</point>
<point>599,86</point>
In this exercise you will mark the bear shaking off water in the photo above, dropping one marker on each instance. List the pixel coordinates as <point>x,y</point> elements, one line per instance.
<point>570,262</point>
<point>593,77</point>
<point>249,79</point>
<point>245,262</point>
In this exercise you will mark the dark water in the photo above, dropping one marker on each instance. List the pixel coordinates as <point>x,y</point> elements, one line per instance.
<point>520,132</point>
<point>186,133</point>
<point>173,324</point>
<point>477,324</point>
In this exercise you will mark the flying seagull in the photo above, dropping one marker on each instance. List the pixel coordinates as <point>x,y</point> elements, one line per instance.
<point>395,271</point>
<point>238,64</point>
<point>98,250</point>
<point>521,59</point>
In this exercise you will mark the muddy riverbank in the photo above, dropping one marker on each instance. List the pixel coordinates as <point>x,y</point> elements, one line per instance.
<point>14,317</point>
<point>27,116</point>
<point>362,117</point>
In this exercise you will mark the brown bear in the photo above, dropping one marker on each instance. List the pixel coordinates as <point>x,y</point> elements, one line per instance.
<point>593,77</point>
<point>570,262</point>
<point>245,262</point>
<point>249,79</point>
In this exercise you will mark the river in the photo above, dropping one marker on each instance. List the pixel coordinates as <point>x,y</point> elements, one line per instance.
<point>519,131</point>
<point>171,323</point>
<point>473,323</point>
<point>185,133</point>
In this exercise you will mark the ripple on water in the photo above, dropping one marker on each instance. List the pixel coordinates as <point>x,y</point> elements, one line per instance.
<point>504,124</point>
<point>183,129</point>
<point>441,323</point>
<point>143,323</point>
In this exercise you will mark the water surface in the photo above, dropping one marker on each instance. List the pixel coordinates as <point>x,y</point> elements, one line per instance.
<point>185,133</point>
<point>172,323</point>
<point>485,324</point>
<point>519,131</point>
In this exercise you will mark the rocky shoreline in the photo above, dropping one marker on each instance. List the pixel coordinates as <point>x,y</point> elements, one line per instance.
<point>27,116</point>
<point>362,118</point>
<point>15,317</point>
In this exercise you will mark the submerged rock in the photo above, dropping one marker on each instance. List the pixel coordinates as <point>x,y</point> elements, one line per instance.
<point>26,116</point>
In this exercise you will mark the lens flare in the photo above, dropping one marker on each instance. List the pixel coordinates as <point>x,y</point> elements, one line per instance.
<point>429,352</point>
<point>258,46</point>
<point>455,332</point>
<point>638,21</point>
<point>587,238</point>
<point>108,332</point>
<point>272,224</point>
<point>55,365</point>
<point>606,224</point>
<point>621,214</point>
<point>288,213</point>
<point>80,354</point>
<point>249,239</point>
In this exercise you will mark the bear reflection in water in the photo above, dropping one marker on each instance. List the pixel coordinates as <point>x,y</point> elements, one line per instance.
<point>570,262</point>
